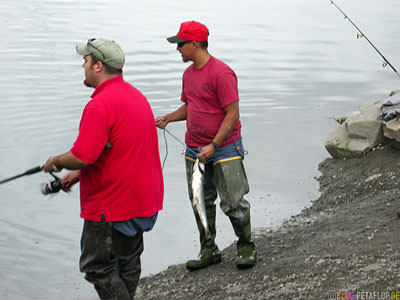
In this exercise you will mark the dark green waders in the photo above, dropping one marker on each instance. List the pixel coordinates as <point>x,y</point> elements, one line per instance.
<point>111,260</point>
<point>228,179</point>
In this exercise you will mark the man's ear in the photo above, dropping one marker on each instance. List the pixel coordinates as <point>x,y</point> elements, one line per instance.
<point>98,66</point>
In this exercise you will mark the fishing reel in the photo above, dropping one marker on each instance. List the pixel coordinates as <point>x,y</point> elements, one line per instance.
<point>52,187</point>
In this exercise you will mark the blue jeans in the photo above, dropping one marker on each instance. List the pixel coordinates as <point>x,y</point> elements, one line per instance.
<point>228,152</point>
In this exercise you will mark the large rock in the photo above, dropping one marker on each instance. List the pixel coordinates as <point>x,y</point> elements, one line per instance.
<point>357,134</point>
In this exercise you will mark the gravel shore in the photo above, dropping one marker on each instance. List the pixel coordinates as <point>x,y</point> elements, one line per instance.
<point>346,242</point>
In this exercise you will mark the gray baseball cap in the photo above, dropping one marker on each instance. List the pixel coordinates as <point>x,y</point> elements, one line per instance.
<point>107,51</point>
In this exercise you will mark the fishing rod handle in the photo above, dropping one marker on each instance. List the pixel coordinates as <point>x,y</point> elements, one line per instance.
<point>34,170</point>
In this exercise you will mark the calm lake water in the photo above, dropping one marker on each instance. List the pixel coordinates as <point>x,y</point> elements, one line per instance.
<point>299,63</point>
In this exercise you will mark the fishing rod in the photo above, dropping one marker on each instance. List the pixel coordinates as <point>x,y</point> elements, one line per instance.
<point>28,172</point>
<point>361,34</point>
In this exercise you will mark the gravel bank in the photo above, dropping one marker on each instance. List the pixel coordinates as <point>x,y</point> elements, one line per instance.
<point>347,241</point>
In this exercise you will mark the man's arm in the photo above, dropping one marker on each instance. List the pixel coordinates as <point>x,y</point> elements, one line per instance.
<point>55,163</point>
<point>229,122</point>
<point>179,115</point>
<point>227,125</point>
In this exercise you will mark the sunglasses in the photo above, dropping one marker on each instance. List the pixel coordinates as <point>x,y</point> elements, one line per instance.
<point>89,43</point>
<point>181,44</point>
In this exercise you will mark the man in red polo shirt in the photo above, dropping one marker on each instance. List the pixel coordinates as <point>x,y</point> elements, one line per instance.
<point>211,109</point>
<point>116,160</point>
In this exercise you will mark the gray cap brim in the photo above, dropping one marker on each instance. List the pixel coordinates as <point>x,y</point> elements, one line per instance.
<point>82,49</point>
<point>175,39</point>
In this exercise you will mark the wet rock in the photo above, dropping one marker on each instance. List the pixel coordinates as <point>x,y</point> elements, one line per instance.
<point>358,134</point>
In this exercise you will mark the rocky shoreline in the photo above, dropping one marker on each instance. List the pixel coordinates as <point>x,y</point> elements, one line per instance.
<point>345,242</point>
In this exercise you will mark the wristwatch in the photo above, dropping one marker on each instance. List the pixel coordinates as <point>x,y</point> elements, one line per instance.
<point>216,146</point>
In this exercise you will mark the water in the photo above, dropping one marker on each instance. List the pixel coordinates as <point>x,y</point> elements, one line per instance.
<point>298,63</point>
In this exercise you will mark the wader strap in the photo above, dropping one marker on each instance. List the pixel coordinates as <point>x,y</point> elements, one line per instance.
<point>238,149</point>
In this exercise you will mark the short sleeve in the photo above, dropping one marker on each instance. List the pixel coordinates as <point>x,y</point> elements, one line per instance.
<point>227,88</point>
<point>92,137</point>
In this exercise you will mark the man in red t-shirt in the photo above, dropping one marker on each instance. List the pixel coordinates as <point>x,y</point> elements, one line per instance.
<point>211,110</point>
<point>116,160</point>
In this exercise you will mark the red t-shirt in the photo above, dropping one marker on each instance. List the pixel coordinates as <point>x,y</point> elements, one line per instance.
<point>125,180</point>
<point>206,92</point>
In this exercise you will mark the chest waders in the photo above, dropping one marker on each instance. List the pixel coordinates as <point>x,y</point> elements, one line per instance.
<point>226,178</point>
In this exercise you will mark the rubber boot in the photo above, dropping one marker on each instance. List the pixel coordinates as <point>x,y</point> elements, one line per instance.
<point>246,249</point>
<point>207,257</point>
<point>209,253</point>
<point>232,185</point>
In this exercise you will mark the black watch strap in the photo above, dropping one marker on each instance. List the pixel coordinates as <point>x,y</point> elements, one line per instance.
<point>216,146</point>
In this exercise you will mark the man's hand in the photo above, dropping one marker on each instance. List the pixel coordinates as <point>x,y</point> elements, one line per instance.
<point>205,153</point>
<point>162,121</point>
<point>50,165</point>
<point>70,179</point>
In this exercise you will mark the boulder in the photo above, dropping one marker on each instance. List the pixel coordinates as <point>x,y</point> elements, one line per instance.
<point>357,134</point>
<point>395,92</point>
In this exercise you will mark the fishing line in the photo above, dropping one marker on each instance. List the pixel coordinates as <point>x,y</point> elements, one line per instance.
<point>166,150</point>
<point>361,34</point>
<point>166,146</point>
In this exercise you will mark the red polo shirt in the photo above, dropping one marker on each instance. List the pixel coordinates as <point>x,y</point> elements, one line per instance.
<point>123,181</point>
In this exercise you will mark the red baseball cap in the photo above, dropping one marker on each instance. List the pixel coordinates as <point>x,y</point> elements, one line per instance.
<point>190,31</point>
